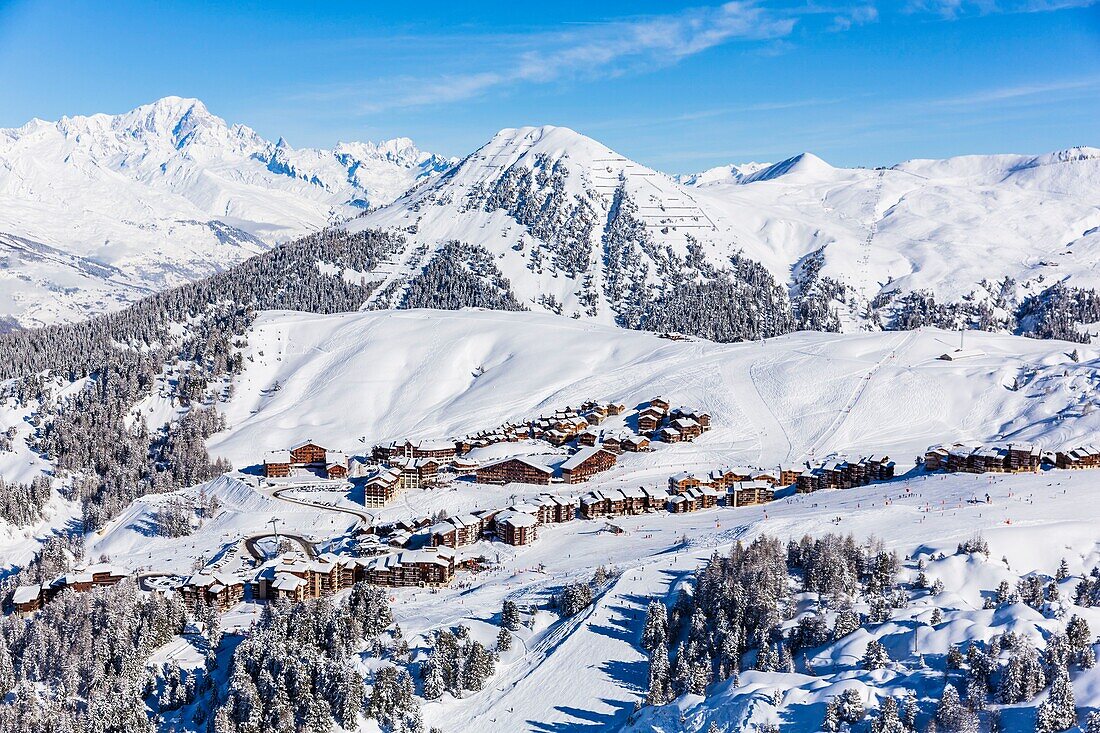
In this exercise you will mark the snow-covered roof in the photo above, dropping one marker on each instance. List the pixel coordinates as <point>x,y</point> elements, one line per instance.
<point>580,457</point>
<point>26,593</point>
<point>542,467</point>
<point>517,519</point>
<point>277,456</point>
<point>304,443</point>
<point>287,582</point>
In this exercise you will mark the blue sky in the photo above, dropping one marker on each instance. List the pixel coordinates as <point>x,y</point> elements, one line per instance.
<point>678,86</point>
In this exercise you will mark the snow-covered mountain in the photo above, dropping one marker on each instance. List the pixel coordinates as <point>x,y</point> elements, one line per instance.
<point>579,229</point>
<point>97,211</point>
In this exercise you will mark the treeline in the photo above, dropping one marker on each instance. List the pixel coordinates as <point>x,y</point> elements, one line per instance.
<point>113,455</point>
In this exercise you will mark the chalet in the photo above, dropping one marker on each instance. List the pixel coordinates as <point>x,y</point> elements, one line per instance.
<point>588,437</point>
<point>465,466</point>
<point>295,577</point>
<point>604,503</point>
<point>516,527</point>
<point>585,463</point>
<point>1082,456</point>
<point>519,470</point>
<point>635,443</point>
<point>307,453</point>
<point>381,487</point>
<point>277,464</point>
<point>456,532</point>
<point>977,458</point>
<point>29,598</point>
<point>688,428</point>
<point>410,568</point>
<point>788,475</point>
<point>441,449</point>
<point>648,423</point>
<point>221,590</point>
<point>594,418</point>
<point>748,493</point>
<point>810,480</point>
<point>702,418</point>
<point>705,497</point>
<point>669,435</point>
<point>336,465</point>
<point>843,474</point>
<point>554,509</point>
<point>682,503</point>
<point>660,403</point>
<point>416,473</point>
<point>935,458</point>
<point>656,498</point>
<point>772,477</point>
<point>683,481</point>
<point>613,443</point>
<point>615,408</point>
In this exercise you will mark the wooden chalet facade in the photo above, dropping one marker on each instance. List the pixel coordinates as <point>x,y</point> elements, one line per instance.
<point>845,474</point>
<point>977,458</point>
<point>306,456</point>
<point>635,444</point>
<point>749,493</point>
<point>220,590</point>
<point>620,502</point>
<point>277,464</point>
<point>585,463</point>
<point>295,577</point>
<point>382,487</point>
<point>409,568</point>
<point>1083,456</point>
<point>455,532</point>
<point>649,422</point>
<point>515,471</point>
<point>554,509</point>
<point>516,527</point>
<point>30,598</point>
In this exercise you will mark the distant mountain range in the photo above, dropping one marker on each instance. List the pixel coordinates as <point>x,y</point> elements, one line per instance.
<point>95,211</point>
<point>578,229</point>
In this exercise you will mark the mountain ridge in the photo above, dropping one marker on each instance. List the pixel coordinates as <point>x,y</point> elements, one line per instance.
<point>164,194</point>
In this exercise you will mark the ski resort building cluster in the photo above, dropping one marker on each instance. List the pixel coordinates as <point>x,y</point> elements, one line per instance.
<point>30,598</point>
<point>843,474</point>
<point>978,458</point>
<point>306,458</point>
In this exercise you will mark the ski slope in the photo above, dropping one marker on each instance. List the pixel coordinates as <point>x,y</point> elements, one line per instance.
<point>353,380</point>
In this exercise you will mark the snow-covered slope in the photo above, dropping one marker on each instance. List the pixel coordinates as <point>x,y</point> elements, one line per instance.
<point>353,380</point>
<point>97,211</point>
<point>546,203</point>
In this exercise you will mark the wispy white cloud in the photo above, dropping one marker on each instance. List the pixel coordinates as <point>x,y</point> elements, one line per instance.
<point>597,50</point>
<point>1020,92</point>
<point>952,9</point>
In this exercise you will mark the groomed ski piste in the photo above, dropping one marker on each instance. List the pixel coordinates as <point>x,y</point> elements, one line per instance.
<point>353,380</point>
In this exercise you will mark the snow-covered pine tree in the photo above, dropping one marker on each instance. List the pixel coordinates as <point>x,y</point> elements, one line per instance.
<point>888,720</point>
<point>849,706</point>
<point>509,615</point>
<point>478,668</point>
<point>504,640</point>
<point>660,682</point>
<point>1059,711</point>
<point>655,631</point>
<point>876,656</point>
